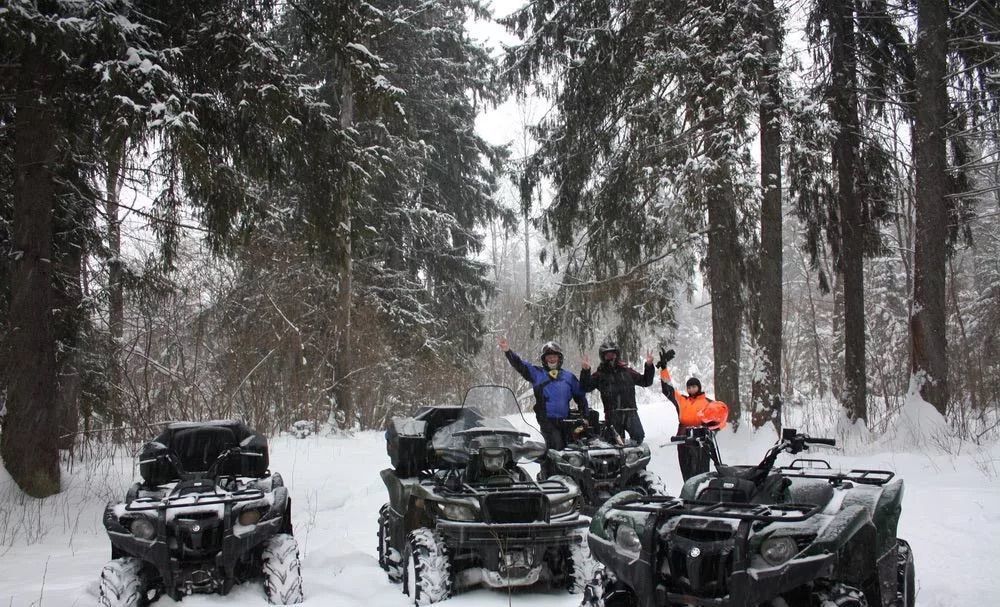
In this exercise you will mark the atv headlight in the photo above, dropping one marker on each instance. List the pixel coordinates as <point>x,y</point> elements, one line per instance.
<point>249,517</point>
<point>574,459</point>
<point>777,550</point>
<point>493,460</point>
<point>628,540</point>
<point>142,528</point>
<point>457,512</point>
<point>633,456</point>
<point>562,508</point>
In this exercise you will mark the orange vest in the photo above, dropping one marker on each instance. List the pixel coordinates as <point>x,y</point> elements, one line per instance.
<point>690,408</point>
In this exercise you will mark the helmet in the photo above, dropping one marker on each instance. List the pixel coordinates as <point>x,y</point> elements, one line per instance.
<point>715,414</point>
<point>551,347</point>
<point>608,346</point>
<point>694,381</point>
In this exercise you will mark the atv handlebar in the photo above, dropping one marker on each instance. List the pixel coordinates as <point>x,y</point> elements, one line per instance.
<point>832,442</point>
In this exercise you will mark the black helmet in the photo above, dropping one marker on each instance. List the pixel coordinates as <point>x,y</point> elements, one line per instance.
<point>608,346</point>
<point>694,381</point>
<point>551,347</point>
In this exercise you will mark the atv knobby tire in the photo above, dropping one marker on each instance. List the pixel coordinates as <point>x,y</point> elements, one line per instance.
<point>581,566</point>
<point>389,558</point>
<point>122,583</point>
<point>906,589</point>
<point>605,590</point>
<point>649,483</point>
<point>282,570</point>
<point>426,568</point>
<point>840,595</point>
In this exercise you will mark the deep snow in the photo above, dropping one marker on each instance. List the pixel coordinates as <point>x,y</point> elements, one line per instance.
<point>52,551</point>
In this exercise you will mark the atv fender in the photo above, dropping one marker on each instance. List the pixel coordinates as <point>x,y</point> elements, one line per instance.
<point>851,535</point>
<point>404,516</point>
<point>886,515</point>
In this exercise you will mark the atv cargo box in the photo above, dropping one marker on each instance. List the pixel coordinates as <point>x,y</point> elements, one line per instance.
<point>407,438</point>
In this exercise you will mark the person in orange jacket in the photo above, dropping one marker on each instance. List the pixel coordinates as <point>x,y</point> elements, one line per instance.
<point>694,410</point>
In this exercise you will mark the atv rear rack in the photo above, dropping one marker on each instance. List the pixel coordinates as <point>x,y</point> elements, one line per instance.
<point>861,476</point>
<point>667,506</point>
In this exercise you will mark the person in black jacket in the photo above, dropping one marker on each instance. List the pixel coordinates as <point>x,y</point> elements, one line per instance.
<point>616,382</point>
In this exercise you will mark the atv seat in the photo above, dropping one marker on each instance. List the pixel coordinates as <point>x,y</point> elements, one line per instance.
<point>186,449</point>
<point>737,490</point>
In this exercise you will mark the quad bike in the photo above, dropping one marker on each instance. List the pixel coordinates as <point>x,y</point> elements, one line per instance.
<point>802,535</point>
<point>601,463</point>
<point>207,515</point>
<point>462,511</point>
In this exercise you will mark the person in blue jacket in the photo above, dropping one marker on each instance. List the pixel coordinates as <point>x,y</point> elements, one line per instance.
<point>554,388</point>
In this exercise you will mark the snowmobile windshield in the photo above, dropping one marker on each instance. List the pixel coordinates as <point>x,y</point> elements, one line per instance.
<point>492,401</point>
<point>472,429</point>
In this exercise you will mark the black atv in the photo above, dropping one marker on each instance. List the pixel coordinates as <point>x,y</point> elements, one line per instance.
<point>207,515</point>
<point>462,511</point>
<point>601,463</point>
<point>803,535</point>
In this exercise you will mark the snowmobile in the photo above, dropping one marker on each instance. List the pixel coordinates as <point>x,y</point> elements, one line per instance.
<point>462,511</point>
<point>802,535</point>
<point>207,515</point>
<point>601,463</point>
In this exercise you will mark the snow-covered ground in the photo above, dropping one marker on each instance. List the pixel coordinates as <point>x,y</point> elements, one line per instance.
<point>52,551</point>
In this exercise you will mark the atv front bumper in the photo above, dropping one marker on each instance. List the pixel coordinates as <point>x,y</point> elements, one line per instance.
<point>746,588</point>
<point>181,576</point>
<point>510,554</point>
<point>555,533</point>
<point>598,490</point>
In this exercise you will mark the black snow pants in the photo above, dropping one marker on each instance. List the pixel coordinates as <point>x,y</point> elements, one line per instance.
<point>627,420</point>
<point>693,459</point>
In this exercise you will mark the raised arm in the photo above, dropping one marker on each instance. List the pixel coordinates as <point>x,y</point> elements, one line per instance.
<point>668,389</point>
<point>588,379</point>
<point>646,379</point>
<point>515,361</point>
<point>579,395</point>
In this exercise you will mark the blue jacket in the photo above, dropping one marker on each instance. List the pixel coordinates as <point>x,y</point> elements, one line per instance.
<point>552,396</point>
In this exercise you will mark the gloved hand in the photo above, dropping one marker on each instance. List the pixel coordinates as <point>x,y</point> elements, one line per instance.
<point>665,357</point>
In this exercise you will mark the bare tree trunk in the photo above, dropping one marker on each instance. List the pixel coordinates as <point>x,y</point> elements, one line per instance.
<point>342,256</point>
<point>527,250</point>
<point>28,443</point>
<point>67,298</point>
<point>843,64</point>
<point>927,323</point>
<point>724,282</point>
<point>116,295</point>
<point>768,408</point>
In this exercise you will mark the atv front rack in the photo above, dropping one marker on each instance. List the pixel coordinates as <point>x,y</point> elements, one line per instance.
<point>146,504</point>
<point>667,507</point>
<point>468,490</point>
